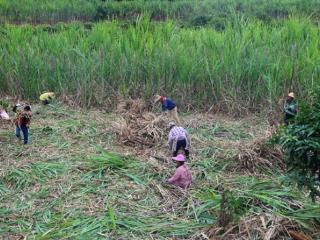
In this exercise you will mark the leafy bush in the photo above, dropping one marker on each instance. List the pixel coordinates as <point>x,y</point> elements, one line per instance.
<point>4,104</point>
<point>301,145</point>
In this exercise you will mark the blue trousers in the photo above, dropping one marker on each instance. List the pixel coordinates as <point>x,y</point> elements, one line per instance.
<point>24,130</point>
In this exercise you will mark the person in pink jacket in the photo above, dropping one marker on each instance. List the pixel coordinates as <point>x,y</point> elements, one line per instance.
<point>182,177</point>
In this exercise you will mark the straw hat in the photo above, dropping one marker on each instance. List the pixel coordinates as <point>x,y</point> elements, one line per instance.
<point>179,158</point>
<point>291,94</point>
<point>157,98</point>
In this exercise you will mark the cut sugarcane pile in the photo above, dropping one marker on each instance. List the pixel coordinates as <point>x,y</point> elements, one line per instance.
<point>138,127</point>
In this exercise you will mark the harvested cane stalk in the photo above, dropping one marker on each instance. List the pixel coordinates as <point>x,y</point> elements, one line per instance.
<point>257,155</point>
<point>138,128</point>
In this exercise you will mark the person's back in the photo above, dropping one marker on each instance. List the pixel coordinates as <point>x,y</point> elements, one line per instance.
<point>25,117</point>
<point>45,98</point>
<point>177,133</point>
<point>178,139</point>
<point>4,115</point>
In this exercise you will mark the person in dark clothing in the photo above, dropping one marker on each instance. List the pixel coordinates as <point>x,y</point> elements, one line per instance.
<point>290,109</point>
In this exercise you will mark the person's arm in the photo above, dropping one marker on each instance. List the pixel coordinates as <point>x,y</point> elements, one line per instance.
<point>175,177</point>
<point>286,109</point>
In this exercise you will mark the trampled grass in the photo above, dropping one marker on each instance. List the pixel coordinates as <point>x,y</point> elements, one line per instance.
<point>74,181</point>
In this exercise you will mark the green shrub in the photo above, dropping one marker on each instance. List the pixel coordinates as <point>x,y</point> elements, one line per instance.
<point>4,104</point>
<point>301,145</point>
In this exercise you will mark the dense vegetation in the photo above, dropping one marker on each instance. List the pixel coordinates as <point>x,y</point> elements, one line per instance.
<point>301,144</point>
<point>248,65</point>
<point>189,12</point>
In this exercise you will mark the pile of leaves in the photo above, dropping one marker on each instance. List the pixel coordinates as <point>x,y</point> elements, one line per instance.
<point>257,226</point>
<point>263,209</point>
<point>259,155</point>
<point>138,127</point>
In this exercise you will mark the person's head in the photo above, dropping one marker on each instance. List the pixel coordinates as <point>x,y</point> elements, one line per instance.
<point>51,95</point>
<point>290,96</point>
<point>17,107</point>
<point>179,160</point>
<point>171,125</point>
<point>27,108</point>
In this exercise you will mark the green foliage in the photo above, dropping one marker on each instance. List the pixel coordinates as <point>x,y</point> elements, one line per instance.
<point>186,11</point>
<point>106,161</point>
<point>23,177</point>
<point>112,217</point>
<point>248,65</point>
<point>301,145</point>
<point>4,104</point>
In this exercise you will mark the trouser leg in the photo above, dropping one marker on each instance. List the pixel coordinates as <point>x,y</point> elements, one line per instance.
<point>18,132</point>
<point>175,115</point>
<point>186,151</point>
<point>182,144</point>
<point>25,134</point>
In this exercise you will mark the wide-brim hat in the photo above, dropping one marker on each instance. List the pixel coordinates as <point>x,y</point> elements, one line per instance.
<point>156,98</point>
<point>291,94</point>
<point>179,158</point>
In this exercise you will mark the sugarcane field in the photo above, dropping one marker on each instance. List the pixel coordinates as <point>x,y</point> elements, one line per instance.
<point>160,119</point>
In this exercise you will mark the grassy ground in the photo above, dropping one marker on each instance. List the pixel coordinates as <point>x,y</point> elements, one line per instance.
<point>74,181</point>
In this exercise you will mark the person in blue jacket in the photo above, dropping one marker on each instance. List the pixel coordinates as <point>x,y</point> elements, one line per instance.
<point>168,106</point>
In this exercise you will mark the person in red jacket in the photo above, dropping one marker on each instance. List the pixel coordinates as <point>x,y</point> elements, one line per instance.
<point>168,106</point>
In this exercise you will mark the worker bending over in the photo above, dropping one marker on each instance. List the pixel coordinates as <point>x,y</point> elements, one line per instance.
<point>47,97</point>
<point>182,176</point>
<point>178,140</point>
<point>3,114</point>
<point>168,106</point>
